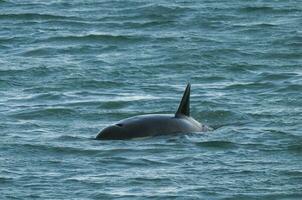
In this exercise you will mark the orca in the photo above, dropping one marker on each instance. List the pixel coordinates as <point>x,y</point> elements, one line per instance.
<point>155,124</point>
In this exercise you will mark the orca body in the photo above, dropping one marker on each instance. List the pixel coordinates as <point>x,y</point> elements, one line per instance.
<point>155,124</point>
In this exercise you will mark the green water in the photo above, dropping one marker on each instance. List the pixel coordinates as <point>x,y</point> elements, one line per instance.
<point>70,68</point>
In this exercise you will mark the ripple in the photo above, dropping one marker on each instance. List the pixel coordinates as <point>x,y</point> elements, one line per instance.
<point>295,148</point>
<point>294,41</point>
<point>47,148</point>
<point>5,180</point>
<point>290,88</point>
<point>32,16</point>
<point>160,12</point>
<point>9,40</point>
<point>217,144</point>
<point>268,9</point>
<point>96,38</point>
<point>69,138</point>
<point>282,55</point>
<point>30,71</point>
<point>252,85</point>
<point>147,24</point>
<point>69,69</point>
<point>218,115</point>
<point>255,25</point>
<point>277,76</point>
<point>51,51</point>
<point>44,113</point>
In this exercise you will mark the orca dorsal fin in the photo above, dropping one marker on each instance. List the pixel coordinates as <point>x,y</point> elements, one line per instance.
<point>184,106</point>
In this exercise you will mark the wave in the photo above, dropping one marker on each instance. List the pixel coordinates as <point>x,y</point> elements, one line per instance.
<point>44,113</point>
<point>8,40</point>
<point>51,51</point>
<point>38,71</point>
<point>5,179</point>
<point>40,52</point>
<point>267,9</point>
<point>270,76</point>
<point>50,148</point>
<point>295,147</point>
<point>95,38</point>
<point>217,144</point>
<point>64,138</point>
<point>251,85</point>
<point>156,11</point>
<point>294,88</point>
<point>294,41</point>
<point>147,24</point>
<point>33,16</point>
<point>251,26</point>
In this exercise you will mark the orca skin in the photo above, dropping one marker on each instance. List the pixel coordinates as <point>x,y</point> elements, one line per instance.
<point>155,124</point>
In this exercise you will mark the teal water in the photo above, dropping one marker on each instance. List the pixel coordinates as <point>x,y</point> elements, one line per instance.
<point>70,68</point>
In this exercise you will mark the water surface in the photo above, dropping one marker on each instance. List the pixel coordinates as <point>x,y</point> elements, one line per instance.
<point>70,68</point>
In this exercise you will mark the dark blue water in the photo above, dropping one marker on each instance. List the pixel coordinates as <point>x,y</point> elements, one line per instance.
<point>70,68</point>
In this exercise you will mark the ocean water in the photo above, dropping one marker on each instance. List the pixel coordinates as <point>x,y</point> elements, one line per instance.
<point>70,68</point>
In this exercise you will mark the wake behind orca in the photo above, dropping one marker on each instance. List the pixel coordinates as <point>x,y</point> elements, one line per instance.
<point>155,124</point>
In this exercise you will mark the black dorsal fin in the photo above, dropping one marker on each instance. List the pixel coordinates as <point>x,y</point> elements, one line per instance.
<point>184,106</point>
